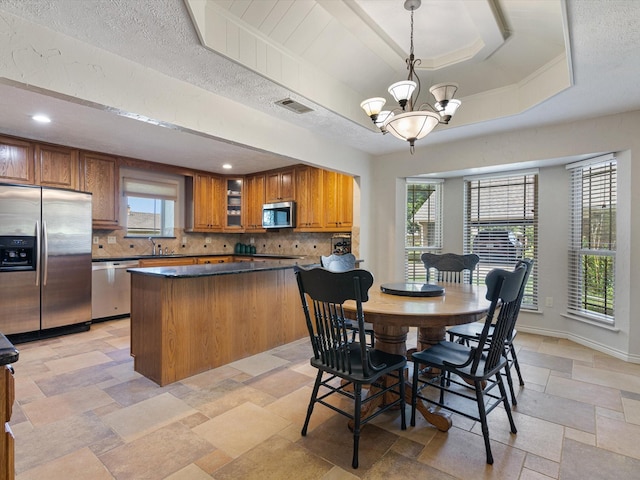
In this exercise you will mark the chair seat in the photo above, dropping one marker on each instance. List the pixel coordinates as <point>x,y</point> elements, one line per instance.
<point>471,331</point>
<point>383,363</point>
<point>445,355</point>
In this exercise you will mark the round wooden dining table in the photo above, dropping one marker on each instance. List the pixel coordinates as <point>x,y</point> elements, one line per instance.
<point>393,314</point>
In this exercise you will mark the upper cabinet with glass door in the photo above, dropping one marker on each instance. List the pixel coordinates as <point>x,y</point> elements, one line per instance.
<point>234,204</point>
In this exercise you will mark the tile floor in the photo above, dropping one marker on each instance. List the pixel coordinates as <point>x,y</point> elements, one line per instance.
<point>82,413</point>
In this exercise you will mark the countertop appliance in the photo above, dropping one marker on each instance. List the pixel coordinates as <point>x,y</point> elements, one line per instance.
<point>45,259</point>
<point>279,215</point>
<point>111,289</point>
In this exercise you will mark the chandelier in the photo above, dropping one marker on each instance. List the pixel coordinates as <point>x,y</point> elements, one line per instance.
<point>407,122</point>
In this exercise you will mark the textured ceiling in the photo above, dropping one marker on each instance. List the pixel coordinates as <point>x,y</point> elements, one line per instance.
<point>160,34</point>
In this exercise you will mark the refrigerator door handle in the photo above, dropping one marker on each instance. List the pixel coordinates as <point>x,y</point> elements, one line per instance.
<point>45,253</point>
<point>38,239</point>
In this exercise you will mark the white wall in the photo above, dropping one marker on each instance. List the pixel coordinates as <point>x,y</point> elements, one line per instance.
<point>616,133</point>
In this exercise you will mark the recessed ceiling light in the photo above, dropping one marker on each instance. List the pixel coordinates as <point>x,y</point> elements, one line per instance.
<point>226,166</point>
<point>41,118</point>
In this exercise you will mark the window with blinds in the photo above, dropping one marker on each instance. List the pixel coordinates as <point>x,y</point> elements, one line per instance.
<point>150,207</point>
<point>501,225</point>
<point>592,238</point>
<point>423,230</point>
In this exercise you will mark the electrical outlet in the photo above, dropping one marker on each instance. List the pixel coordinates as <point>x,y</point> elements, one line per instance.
<point>96,240</point>
<point>184,240</point>
<point>111,239</point>
<point>207,240</point>
<point>548,302</point>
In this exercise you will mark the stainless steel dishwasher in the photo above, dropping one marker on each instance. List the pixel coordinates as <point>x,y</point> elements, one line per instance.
<point>111,289</point>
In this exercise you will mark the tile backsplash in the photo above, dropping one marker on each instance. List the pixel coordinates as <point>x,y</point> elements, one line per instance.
<point>115,244</point>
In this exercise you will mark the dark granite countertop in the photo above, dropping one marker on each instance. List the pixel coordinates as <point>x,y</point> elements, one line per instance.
<point>207,270</point>
<point>212,254</point>
<point>8,353</point>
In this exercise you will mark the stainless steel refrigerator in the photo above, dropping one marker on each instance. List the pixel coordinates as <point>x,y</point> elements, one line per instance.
<point>45,258</point>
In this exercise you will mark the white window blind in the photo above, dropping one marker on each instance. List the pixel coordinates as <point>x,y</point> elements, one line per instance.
<point>423,227</point>
<point>501,225</point>
<point>592,239</point>
<point>137,187</point>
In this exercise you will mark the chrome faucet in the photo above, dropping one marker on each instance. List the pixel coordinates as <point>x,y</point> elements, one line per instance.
<point>153,251</point>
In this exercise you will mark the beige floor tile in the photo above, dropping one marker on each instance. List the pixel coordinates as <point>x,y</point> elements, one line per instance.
<point>444,453</point>
<point>534,375</point>
<point>337,473</point>
<point>584,392</point>
<point>618,436</point>
<point>532,475</point>
<point>190,472</point>
<point>52,409</point>
<point>137,420</point>
<point>259,364</point>
<point>542,465</point>
<point>157,455</point>
<point>580,436</point>
<point>536,436</point>
<point>205,380</point>
<point>240,429</point>
<point>79,465</point>
<point>631,409</point>
<point>27,390</point>
<point>75,362</point>
<point>607,378</point>
<point>293,407</point>
<point>286,459</point>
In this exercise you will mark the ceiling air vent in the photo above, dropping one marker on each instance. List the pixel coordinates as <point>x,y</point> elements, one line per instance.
<point>293,106</point>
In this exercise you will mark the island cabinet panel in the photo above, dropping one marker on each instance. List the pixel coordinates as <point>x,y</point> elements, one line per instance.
<point>7,442</point>
<point>187,325</point>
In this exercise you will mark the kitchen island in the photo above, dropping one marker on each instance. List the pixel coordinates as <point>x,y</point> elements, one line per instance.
<point>188,319</point>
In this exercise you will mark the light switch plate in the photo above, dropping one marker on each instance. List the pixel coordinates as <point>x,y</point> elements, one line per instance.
<point>96,240</point>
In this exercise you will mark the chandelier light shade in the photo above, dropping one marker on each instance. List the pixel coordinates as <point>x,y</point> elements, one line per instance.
<point>412,126</point>
<point>406,122</point>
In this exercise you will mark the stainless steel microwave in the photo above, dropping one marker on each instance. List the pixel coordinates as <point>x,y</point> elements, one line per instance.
<point>279,215</point>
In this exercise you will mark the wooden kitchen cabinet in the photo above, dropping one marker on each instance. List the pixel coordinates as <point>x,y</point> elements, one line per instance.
<point>205,199</point>
<point>279,186</point>
<point>166,262</point>
<point>338,201</point>
<point>309,199</point>
<point>57,167</point>
<point>100,176</point>
<point>214,260</point>
<point>16,161</point>
<point>234,200</point>
<point>7,445</point>
<point>254,199</point>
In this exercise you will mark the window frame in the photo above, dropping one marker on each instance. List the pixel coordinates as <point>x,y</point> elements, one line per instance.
<point>601,175</point>
<point>164,192</point>
<point>520,202</point>
<point>413,267</point>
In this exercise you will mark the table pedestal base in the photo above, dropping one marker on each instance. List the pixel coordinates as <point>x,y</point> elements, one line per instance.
<point>394,340</point>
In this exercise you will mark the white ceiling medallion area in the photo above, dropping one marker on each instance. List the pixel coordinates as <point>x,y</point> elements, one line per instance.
<point>506,55</point>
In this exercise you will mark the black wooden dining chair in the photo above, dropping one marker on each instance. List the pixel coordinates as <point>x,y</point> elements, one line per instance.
<point>323,293</point>
<point>470,332</point>
<point>473,373</point>
<point>342,263</point>
<point>450,267</point>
